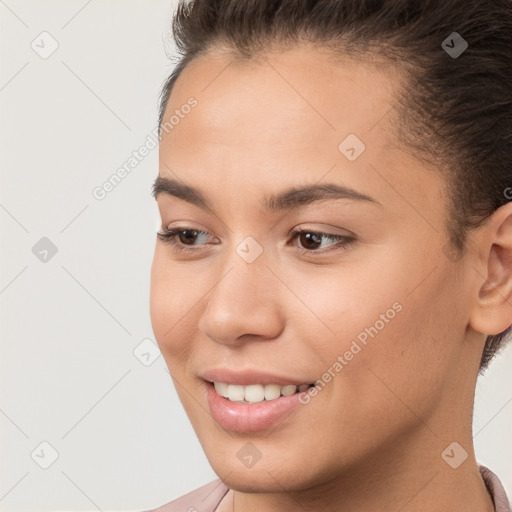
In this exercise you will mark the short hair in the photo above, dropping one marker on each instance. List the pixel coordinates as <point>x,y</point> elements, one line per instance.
<point>454,111</point>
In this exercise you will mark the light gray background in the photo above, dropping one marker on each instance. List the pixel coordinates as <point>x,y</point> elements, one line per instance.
<point>70,325</point>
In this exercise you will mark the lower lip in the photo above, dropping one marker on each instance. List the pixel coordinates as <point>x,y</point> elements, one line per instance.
<point>242,417</point>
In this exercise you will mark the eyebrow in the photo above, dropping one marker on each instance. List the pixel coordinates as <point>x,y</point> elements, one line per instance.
<point>289,199</point>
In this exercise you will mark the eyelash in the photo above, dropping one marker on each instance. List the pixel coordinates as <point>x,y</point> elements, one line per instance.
<point>169,237</point>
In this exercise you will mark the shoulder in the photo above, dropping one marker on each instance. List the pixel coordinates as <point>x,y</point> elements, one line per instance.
<point>203,499</point>
<point>496,490</point>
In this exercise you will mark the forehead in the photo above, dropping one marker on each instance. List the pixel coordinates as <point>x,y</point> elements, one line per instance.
<point>280,119</point>
<point>301,88</point>
<point>287,105</point>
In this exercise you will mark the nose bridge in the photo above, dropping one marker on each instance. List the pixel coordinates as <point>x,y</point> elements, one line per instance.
<point>244,271</point>
<point>243,300</point>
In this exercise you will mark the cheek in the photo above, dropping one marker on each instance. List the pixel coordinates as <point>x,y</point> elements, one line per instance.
<point>381,334</point>
<point>348,311</point>
<point>174,295</point>
<point>405,366</point>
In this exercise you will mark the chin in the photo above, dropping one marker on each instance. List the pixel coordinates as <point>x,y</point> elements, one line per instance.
<point>263,479</point>
<point>274,471</point>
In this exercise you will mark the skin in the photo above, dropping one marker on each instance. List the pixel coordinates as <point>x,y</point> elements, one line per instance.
<point>372,439</point>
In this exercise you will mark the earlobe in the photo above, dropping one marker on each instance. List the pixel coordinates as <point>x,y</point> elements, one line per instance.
<point>492,311</point>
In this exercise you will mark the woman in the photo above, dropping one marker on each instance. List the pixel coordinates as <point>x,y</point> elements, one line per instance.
<point>334,267</point>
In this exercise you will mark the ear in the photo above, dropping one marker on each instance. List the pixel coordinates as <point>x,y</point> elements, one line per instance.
<point>492,310</point>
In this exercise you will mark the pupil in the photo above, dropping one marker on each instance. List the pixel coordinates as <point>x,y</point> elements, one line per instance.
<point>183,235</point>
<point>310,238</point>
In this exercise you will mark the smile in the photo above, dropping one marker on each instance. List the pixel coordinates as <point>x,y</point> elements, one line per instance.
<point>255,393</point>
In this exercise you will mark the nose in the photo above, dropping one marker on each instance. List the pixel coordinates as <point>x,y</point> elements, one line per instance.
<point>243,305</point>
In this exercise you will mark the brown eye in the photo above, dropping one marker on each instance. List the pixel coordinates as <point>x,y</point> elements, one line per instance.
<point>187,236</point>
<point>311,241</point>
<point>182,239</point>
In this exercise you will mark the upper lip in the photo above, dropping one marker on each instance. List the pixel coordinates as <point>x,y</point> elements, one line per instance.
<point>249,376</point>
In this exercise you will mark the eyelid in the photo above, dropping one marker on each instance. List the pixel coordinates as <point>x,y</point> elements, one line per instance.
<point>327,230</point>
<point>184,227</point>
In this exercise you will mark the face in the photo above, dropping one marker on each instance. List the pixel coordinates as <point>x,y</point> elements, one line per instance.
<point>364,302</point>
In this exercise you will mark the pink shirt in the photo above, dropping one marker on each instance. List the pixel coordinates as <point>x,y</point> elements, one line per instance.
<point>208,497</point>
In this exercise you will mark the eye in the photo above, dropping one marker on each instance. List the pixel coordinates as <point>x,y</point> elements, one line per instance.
<point>181,237</point>
<point>312,241</point>
<point>184,238</point>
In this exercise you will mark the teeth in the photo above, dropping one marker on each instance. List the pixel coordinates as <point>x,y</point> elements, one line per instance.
<point>272,391</point>
<point>235,392</point>
<point>288,390</point>
<point>221,388</point>
<point>255,393</point>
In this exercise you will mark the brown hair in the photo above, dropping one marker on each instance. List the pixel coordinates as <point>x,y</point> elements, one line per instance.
<point>454,111</point>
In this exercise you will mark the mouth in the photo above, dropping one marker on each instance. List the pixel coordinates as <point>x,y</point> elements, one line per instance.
<point>254,407</point>
<point>255,393</point>
<point>249,400</point>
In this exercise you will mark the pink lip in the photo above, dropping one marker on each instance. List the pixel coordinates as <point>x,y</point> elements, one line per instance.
<point>241,417</point>
<point>247,377</point>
